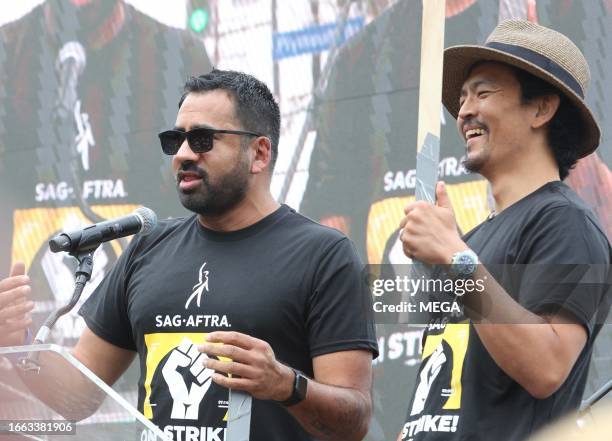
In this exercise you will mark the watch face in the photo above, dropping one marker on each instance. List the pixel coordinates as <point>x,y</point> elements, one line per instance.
<point>464,264</point>
<point>301,386</point>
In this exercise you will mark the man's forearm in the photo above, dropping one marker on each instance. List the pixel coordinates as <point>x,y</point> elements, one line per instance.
<point>337,405</point>
<point>334,413</point>
<point>524,345</point>
<point>62,387</point>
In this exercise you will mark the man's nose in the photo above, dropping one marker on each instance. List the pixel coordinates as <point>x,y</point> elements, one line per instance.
<point>185,153</point>
<point>467,108</point>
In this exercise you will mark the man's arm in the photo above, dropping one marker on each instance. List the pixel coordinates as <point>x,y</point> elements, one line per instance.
<point>538,357</point>
<point>338,403</point>
<point>538,352</point>
<point>104,359</point>
<point>65,389</point>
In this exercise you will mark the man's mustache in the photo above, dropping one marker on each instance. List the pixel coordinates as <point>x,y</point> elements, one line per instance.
<point>192,169</point>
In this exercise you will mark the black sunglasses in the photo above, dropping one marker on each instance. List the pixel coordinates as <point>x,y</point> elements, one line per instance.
<point>200,140</point>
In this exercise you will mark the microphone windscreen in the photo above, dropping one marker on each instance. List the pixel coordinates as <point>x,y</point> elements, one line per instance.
<point>148,219</point>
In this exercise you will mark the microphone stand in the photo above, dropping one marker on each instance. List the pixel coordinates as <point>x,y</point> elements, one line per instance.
<point>82,276</point>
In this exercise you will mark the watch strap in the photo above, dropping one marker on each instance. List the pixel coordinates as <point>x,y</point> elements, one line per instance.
<point>298,392</point>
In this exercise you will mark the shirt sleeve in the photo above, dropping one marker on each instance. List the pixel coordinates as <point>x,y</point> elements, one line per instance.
<point>340,314</point>
<point>105,311</point>
<point>568,270</point>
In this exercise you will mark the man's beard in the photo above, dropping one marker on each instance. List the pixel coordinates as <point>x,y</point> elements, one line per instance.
<point>218,198</point>
<point>475,163</point>
<point>472,164</point>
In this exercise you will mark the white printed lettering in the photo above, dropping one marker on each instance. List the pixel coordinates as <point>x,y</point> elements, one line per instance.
<point>192,433</point>
<point>104,189</point>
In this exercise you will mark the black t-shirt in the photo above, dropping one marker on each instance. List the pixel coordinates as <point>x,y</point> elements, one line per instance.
<point>531,248</point>
<point>286,280</point>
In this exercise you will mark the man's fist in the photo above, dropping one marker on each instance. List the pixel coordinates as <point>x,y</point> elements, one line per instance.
<point>429,232</point>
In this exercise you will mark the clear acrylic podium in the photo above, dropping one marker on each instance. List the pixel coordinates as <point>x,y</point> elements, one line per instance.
<point>96,411</point>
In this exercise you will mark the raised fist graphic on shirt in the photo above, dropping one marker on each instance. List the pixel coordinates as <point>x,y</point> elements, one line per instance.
<point>186,398</point>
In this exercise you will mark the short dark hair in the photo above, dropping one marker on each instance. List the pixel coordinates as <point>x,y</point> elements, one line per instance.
<point>566,130</point>
<point>255,106</point>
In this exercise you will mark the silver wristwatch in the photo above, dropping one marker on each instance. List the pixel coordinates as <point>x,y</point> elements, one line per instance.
<point>463,264</point>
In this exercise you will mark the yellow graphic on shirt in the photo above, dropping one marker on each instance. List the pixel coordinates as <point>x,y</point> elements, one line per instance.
<point>469,201</point>
<point>182,352</point>
<point>457,336</point>
<point>34,226</point>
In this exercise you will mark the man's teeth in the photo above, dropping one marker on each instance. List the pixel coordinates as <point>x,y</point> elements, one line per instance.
<point>474,132</point>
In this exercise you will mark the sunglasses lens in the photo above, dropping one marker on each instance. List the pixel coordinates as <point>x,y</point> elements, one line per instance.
<point>200,140</point>
<point>171,142</point>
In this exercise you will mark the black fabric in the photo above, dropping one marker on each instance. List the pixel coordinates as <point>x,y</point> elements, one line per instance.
<point>550,226</point>
<point>285,280</point>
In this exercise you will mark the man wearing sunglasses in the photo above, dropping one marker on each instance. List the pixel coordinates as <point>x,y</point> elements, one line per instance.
<point>243,294</point>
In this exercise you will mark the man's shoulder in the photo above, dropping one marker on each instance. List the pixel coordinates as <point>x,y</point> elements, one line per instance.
<point>560,222</point>
<point>170,224</point>
<point>313,239</point>
<point>305,225</point>
<point>164,229</point>
<point>561,195</point>
<point>553,201</point>
<point>558,202</point>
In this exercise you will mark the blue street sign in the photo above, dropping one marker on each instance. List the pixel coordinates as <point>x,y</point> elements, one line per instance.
<point>312,39</point>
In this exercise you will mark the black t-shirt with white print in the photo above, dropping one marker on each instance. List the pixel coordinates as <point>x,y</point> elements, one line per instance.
<point>532,249</point>
<point>286,280</point>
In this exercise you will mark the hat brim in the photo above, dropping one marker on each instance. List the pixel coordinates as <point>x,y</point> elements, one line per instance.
<point>459,59</point>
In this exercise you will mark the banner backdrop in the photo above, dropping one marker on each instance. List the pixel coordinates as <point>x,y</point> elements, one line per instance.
<point>86,86</point>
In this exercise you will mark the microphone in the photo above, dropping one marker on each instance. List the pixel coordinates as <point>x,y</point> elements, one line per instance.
<point>69,64</point>
<point>142,220</point>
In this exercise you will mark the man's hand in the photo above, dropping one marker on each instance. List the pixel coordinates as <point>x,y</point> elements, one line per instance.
<point>429,232</point>
<point>338,404</point>
<point>15,307</point>
<point>253,366</point>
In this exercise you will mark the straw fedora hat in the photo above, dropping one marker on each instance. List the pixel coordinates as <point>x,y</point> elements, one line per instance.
<point>544,53</point>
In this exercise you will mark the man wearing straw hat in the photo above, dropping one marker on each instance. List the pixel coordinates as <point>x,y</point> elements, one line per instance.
<point>523,358</point>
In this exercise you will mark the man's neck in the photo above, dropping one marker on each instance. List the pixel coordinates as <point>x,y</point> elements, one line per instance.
<point>249,211</point>
<point>513,184</point>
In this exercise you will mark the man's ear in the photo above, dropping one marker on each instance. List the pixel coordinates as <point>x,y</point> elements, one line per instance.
<point>262,148</point>
<point>547,106</point>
